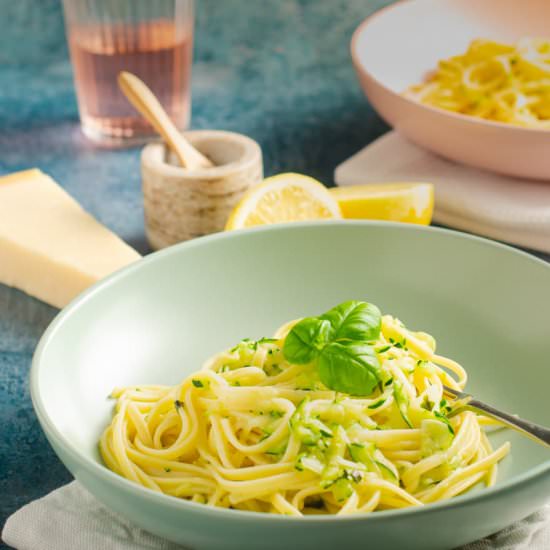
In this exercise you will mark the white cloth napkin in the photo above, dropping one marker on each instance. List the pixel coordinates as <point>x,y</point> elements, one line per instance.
<point>70,518</point>
<point>507,209</point>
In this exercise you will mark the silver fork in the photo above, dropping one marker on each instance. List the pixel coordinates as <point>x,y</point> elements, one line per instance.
<point>466,402</point>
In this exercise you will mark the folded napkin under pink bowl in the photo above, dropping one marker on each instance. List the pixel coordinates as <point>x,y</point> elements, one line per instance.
<point>507,209</point>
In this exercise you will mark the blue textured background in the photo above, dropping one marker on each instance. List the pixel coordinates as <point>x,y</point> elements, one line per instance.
<point>278,71</point>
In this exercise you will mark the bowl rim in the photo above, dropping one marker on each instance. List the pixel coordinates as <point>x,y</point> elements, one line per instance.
<point>95,468</point>
<point>152,156</point>
<point>459,117</point>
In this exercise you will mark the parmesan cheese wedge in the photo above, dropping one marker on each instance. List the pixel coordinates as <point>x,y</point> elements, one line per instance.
<point>49,246</point>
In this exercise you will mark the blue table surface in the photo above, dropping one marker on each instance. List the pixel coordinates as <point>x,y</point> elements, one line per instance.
<point>277,71</point>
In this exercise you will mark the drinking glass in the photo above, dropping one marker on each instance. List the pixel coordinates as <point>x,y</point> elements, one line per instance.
<point>150,38</point>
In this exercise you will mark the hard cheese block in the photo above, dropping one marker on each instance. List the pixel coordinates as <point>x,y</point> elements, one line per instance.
<point>49,246</point>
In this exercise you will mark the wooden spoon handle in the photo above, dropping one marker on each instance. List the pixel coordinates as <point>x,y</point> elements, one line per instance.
<point>143,99</point>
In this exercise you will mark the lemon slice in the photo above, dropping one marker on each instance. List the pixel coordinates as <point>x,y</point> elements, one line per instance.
<point>400,202</point>
<point>284,198</point>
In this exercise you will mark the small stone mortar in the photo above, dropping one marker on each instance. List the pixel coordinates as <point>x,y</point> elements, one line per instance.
<point>181,204</point>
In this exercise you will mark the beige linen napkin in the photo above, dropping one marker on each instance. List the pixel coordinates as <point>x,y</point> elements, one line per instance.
<point>70,518</point>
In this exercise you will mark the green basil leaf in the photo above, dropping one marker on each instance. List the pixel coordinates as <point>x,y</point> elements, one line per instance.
<point>358,321</point>
<point>349,367</point>
<point>305,340</point>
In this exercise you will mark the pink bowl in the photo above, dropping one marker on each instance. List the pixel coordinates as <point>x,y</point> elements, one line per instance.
<point>398,45</point>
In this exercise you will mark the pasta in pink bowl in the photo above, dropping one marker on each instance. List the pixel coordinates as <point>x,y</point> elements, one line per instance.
<point>465,79</point>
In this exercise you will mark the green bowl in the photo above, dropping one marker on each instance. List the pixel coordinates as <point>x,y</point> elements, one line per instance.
<point>158,320</point>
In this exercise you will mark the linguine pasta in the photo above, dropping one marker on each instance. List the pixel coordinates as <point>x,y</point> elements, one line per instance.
<point>494,81</point>
<point>252,431</point>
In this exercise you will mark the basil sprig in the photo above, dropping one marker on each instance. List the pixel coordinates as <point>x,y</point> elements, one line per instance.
<point>339,343</point>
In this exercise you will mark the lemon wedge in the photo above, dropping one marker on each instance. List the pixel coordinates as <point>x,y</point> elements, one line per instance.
<point>400,202</point>
<point>284,198</point>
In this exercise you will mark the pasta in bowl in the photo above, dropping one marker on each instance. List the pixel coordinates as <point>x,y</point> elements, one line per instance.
<point>451,111</point>
<point>152,325</point>
<point>494,81</point>
<point>338,414</point>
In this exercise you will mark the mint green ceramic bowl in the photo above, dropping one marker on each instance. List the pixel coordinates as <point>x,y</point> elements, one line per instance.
<point>158,320</point>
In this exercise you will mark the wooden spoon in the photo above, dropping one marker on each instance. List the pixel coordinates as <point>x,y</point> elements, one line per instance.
<point>143,99</point>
